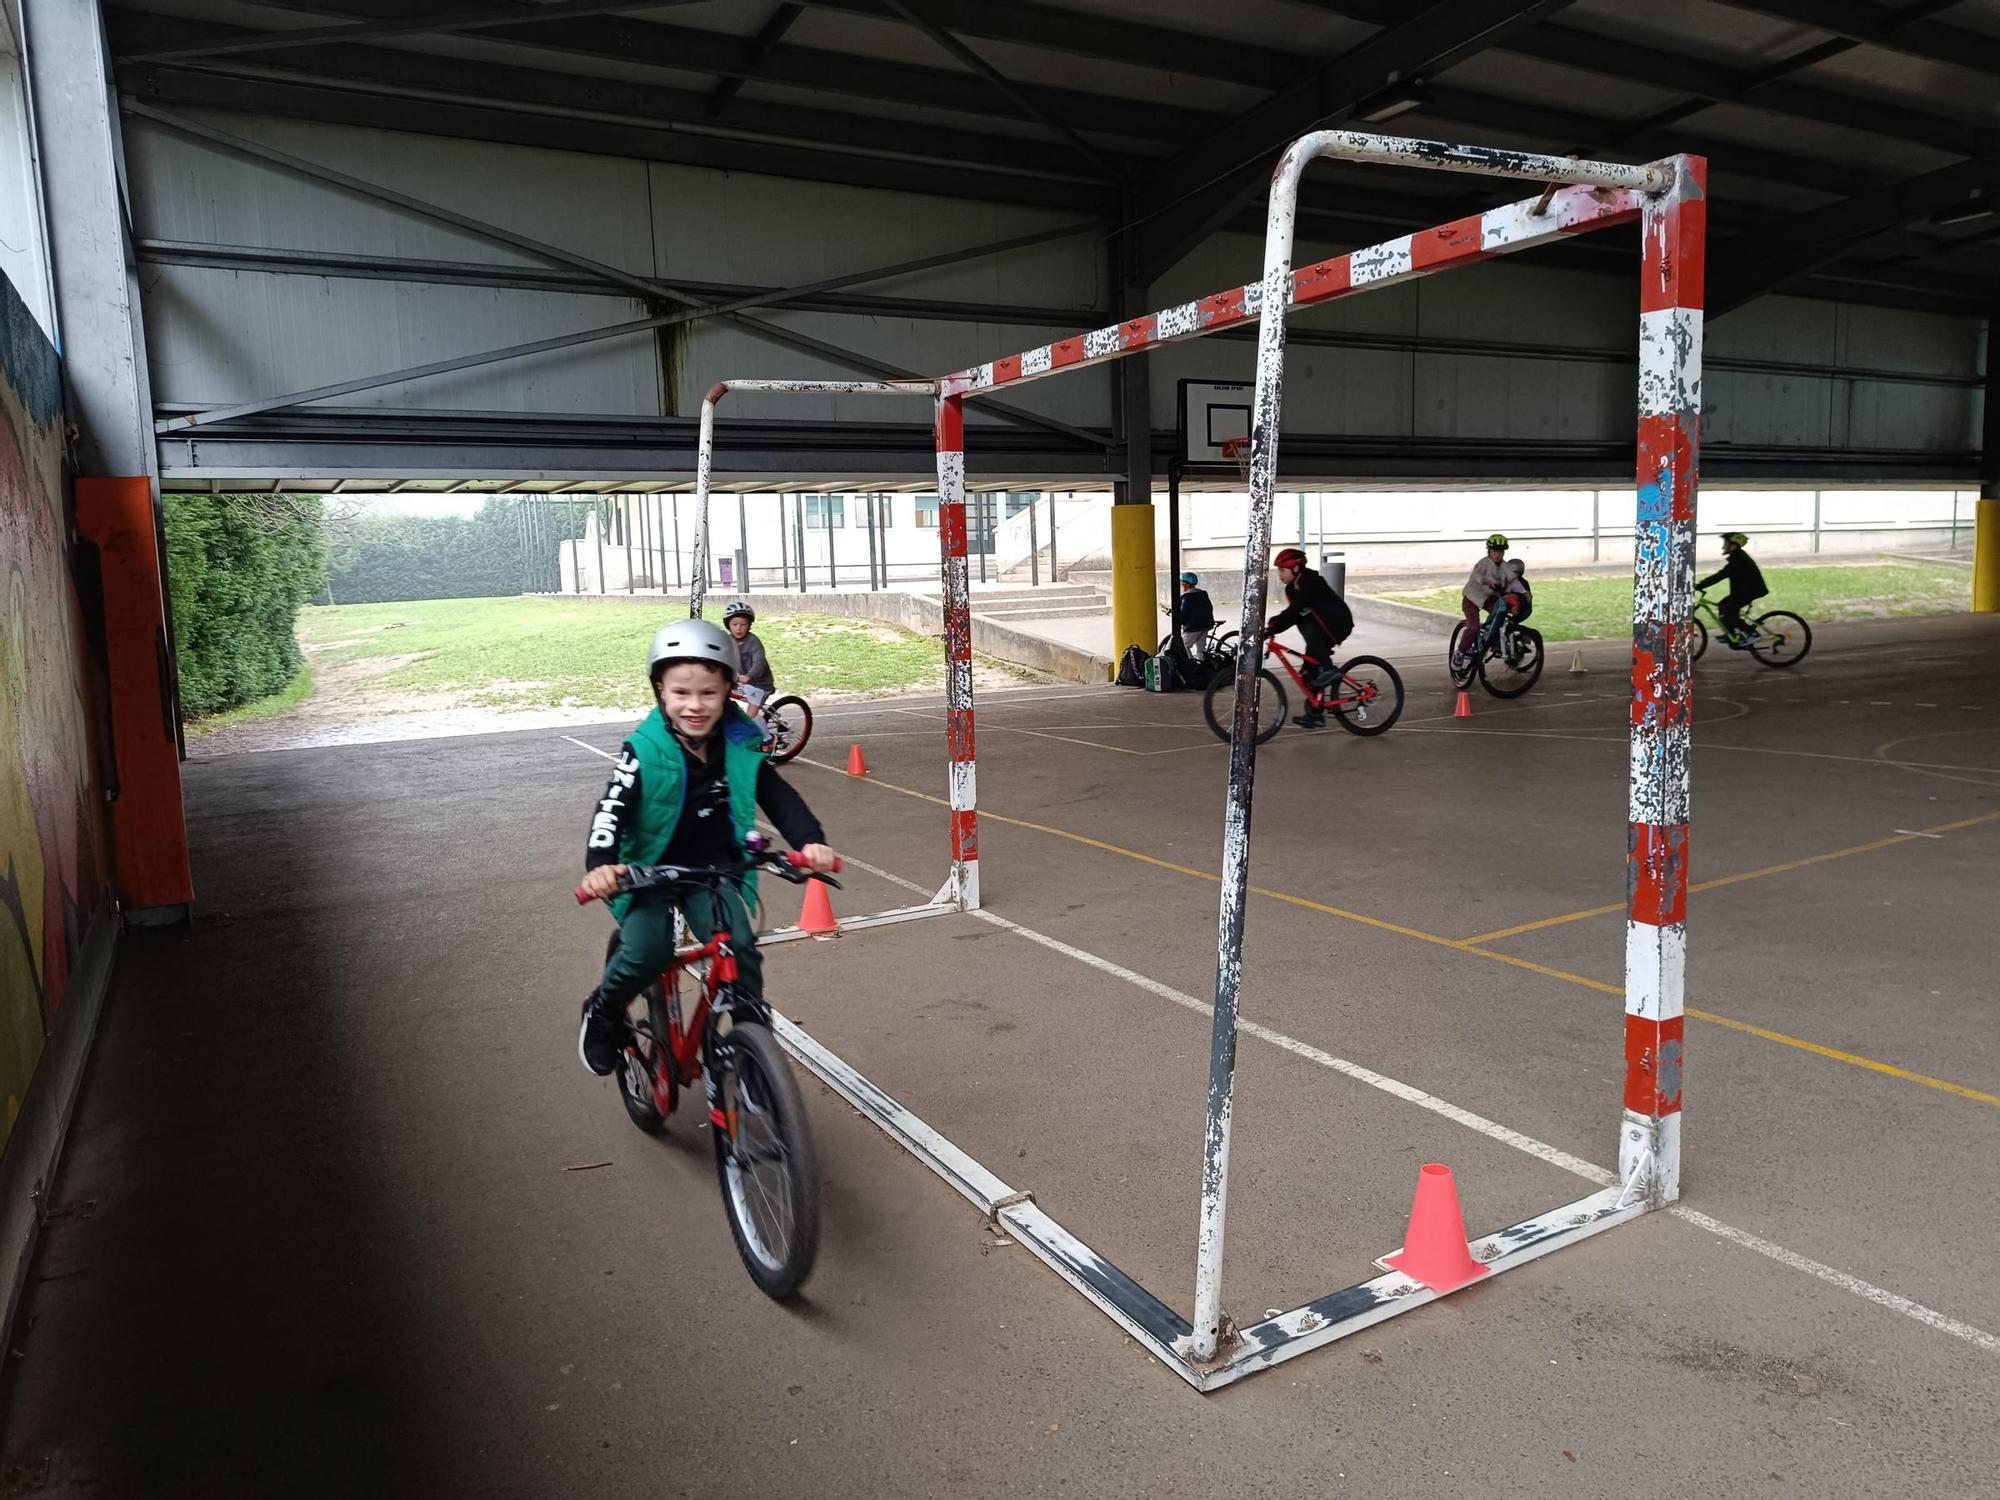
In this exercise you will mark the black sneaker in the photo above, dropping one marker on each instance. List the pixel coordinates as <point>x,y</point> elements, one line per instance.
<point>1310,721</point>
<point>597,1040</point>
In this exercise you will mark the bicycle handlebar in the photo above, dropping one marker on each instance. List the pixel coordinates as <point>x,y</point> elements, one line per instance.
<point>787,865</point>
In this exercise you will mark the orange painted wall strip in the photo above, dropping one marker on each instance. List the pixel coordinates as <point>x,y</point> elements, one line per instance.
<point>148,824</point>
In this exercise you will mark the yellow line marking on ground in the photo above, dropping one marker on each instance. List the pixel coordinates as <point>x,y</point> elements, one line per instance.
<point>1467,945</point>
<point>1723,880</point>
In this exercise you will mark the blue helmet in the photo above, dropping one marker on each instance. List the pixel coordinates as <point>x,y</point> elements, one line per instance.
<point>1189,579</point>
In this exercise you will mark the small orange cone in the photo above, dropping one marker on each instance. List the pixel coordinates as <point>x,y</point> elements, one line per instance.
<point>857,763</point>
<point>818,918</point>
<point>1435,1251</point>
<point>1463,708</point>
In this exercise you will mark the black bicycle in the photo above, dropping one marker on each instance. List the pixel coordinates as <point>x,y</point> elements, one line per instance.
<point>1507,661</point>
<point>763,1148</point>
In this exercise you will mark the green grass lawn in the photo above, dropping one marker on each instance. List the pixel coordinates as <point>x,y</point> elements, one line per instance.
<point>545,653</point>
<point>291,695</point>
<point>1580,609</point>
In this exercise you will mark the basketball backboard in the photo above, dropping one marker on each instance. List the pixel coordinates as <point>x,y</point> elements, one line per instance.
<point>1211,413</point>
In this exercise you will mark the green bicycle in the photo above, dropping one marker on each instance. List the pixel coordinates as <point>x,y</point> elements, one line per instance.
<point>1777,638</point>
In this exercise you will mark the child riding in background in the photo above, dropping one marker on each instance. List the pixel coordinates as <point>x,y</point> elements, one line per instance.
<point>684,790</point>
<point>756,666</point>
<point>1322,617</point>
<point>1746,586</point>
<point>1194,616</point>
<point>1484,590</point>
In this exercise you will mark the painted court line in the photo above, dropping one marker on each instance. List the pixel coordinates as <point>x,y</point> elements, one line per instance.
<point>1832,1054</point>
<point>1492,1130</point>
<point>1902,836</point>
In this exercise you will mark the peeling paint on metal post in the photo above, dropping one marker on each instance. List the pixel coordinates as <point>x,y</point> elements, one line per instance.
<point>1266,410</point>
<point>958,652</point>
<point>704,459</point>
<point>1673,236</point>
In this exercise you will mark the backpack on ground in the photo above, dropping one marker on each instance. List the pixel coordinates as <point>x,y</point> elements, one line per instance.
<point>1132,667</point>
<point>1165,673</point>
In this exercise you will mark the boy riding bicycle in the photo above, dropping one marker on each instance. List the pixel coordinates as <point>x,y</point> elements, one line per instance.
<point>754,682</point>
<point>1322,617</point>
<point>684,791</point>
<point>1746,586</point>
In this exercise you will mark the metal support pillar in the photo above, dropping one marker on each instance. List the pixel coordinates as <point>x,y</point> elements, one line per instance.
<point>1054,577</point>
<point>1034,551</point>
<point>799,536</point>
<point>743,541</point>
<point>1986,513</point>
<point>874,554</point>
<point>597,525</point>
<point>575,542</point>
<point>1173,527</point>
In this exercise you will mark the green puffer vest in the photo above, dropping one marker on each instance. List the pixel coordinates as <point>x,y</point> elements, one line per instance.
<point>663,792</point>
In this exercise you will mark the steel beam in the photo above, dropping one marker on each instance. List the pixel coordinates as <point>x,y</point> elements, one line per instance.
<point>1020,98</point>
<point>647,287</point>
<point>1895,29</point>
<point>419,271</point>
<point>432,25</point>
<point>1753,264</point>
<point>1205,185</point>
<point>99,331</point>
<point>768,36</point>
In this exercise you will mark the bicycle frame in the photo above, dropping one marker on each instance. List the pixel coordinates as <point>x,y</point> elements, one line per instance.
<point>1286,656</point>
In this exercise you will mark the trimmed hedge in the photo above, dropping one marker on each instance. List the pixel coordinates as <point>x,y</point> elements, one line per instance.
<point>239,567</point>
<point>392,559</point>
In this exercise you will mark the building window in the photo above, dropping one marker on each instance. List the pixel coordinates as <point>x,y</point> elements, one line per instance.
<point>826,512</point>
<point>927,511</point>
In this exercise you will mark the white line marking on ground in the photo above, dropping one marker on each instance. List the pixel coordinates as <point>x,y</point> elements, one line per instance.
<point>1541,1150</point>
<point>1929,1317</point>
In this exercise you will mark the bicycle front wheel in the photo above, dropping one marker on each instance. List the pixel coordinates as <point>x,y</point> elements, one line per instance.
<point>1369,697</point>
<point>791,721</point>
<point>764,1157</point>
<point>1700,638</point>
<point>1220,704</point>
<point>1780,638</point>
<point>1508,675</point>
<point>1458,657</point>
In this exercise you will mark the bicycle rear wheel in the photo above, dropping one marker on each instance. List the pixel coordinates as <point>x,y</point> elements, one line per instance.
<point>764,1158</point>
<point>1780,638</point>
<point>1505,678</point>
<point>1369,697</point>
<point>1219,703</point>
<point>791,721</point>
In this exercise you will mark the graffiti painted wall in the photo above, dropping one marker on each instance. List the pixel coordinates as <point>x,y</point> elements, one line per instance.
<point>54,869</point>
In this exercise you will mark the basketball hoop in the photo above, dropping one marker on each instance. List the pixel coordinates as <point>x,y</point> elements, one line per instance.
<point>1237,451</point>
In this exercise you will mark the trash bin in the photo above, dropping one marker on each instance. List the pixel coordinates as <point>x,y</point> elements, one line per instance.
<point>1333,568</point>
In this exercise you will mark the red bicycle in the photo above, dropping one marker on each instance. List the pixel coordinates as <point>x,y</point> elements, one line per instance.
<point>1366,695</point>
<point>763,1149</point>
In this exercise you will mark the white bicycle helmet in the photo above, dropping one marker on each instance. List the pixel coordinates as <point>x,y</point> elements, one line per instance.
<point>693,640</point>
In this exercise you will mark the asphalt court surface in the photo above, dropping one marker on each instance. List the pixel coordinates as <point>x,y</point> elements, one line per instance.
<point>1431,907</point>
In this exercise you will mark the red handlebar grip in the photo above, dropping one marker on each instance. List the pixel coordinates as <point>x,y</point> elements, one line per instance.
<point>799,862</point>
<point>582,896</point>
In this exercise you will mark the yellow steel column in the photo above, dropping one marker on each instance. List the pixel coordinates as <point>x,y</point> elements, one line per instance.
<point>1135,611</point>
<point>1986,556</point>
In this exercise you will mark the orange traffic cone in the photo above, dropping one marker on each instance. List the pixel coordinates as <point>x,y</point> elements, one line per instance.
<point>818,918</point>
<point>1434,1250</point>
<point>1463,708</point>
<point>857,763</point>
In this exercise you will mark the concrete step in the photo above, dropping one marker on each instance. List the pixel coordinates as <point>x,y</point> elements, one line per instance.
<point>1052,612</point>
